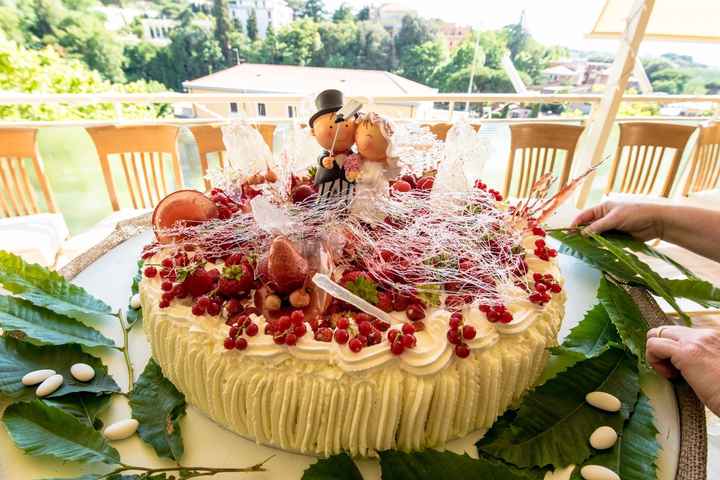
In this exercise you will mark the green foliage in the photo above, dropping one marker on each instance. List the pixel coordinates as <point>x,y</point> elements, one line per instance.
<point>22,319</point>
<point>158,406</point>
<point>364,288</point>
<point>336,467</point>
<point>343,14</point>
<point>18,358</point>
<point>554,421</point>
<point>432,464</point>
<point>363,14</point>
<point>86,407</point>
<point>419,62</point>
<point>635,454</point>
<point>133,315</point>
<point>40,429</point>
<point>414,31</point>
<point>48,289</point>
<point>314,9</point>
<point>223,28</point>
<point>251,27</point>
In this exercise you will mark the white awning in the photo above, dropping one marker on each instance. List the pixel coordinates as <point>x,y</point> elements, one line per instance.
<point>671,20</point>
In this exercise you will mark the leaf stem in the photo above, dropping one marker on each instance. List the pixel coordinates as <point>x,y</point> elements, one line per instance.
<point>125,349</point>
<point>189,472</point>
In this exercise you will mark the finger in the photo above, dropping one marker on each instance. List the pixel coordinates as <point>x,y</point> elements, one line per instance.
<point>673,332</point>
<point>608,222</point>
<point>659,353</point>
<point>584,217</point>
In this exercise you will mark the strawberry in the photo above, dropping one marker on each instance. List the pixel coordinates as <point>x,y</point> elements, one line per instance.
<point>385,301</point>
<point>237,278</point>
<point>287,269</point>
<point>302,193</point>
<point>199,282</point>
<point>351,276</point>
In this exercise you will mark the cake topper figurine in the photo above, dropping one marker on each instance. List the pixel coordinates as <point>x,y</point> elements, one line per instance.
<point>333,126</point>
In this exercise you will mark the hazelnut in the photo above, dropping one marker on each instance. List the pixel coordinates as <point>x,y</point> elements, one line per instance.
<point>272,302</point>
<point>300,298</point>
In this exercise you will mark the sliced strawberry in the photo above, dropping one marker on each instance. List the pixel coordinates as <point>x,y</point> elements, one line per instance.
<point>184,207</point>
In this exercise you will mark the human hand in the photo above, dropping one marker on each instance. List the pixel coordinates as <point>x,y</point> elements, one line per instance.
<point>641,220</point>
<point>328,161</point>
<point>694,353</point>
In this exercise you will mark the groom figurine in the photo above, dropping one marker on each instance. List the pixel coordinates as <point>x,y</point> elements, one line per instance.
<point>334,132</point>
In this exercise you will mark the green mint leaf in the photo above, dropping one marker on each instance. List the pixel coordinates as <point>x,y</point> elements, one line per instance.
<point>554,422</point>
<point>18,358</point>
<point>48,289</point>
<point>627,318</point>
<point>40,429</point>
<point>336,467</point>
<point>364,288</point>
<point>635,454</point>
<point>432,465</point>
<point>592,336</point>
<point>158,406</point>
<point>44,327</point>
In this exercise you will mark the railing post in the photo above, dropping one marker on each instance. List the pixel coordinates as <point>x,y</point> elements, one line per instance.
<point>117,106</point>
<point>451,108</point>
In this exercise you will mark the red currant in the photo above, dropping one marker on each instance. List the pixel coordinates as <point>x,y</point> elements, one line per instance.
<point>397,348</point>
<point>150,272</point>
<point>462,350</point>
<point>365,328</point>
<point>167,263</point>
<point>251,329</point>
<point>343,323</point>
<point>241,344</point>
<point>341,336</point>
<point>229,343</point>
<point>299,330</point>
<point>283,323</point>
<point>166,286</point>
<point>291,339</point>
<point>213,308</point>
<point>297,317</point>
<point>408,341</point>
<point>355,345</point>
<point>408,329</point>
<point>468,332</point>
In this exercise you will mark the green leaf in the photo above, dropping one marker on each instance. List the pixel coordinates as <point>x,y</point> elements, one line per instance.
<point>337,467</point>
<point>18,358</point>
<point>588,339</point>
<point>432,465</point>
<point>635,454</point>
<point>48,289</point>
<point>40,429</point>
<point>24,320</point>
<point>86,407</point>
<point>364,288</point>
<point>158,406</point>
<point>117,476</point>
<point>133,315</point>
<point>430,294</point>
<point>627,318</point>
<point>587,249</point>
<point>553,423</point>
<point>699,291</point>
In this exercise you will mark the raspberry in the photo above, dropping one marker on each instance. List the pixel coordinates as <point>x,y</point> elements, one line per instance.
<point>150,272</point>
<point>341,336</point>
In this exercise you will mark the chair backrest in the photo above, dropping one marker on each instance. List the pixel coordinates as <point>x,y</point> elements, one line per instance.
<point>209,140</point>
<point>705,167</point>
<point>17,196</point>
<point>539,148</point>
<point>143,151</point>
<point>440,130</point>
<point>642,150</point>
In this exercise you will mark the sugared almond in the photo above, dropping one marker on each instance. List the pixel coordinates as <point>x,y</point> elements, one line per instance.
<point>49,385</point>
<point>135,301</point>
<point>603,401</point>
<point>82,372</point>
<point>603,438</point>
<point>121,430</point>
<point>37,376</point>
<point>598,472</point>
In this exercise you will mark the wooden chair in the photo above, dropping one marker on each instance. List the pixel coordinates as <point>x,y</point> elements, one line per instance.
<point>537,146</point>
<point>705,165</point>
<point>440,130</point>
<point>209,140</point>
<point>143,152</point>
<point>17,197</point>
<point>642,151</point>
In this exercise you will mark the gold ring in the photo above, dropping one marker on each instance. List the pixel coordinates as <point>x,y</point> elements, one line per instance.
<point>659,332</point>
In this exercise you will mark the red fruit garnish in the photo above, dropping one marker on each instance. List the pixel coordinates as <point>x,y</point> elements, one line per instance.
<point>385,301</point>
<point>365,328</point>
<point>409,178</point>
<point>290,339</point>
<point>341,336</point>
<point>302,193</point>
<point>199,282</point>
<point>453,336</point>
<point>462,350</point>
<point>229,343</point>
<point>469,332</point>
<point>409,341</point>
<point>198,309</point>
<point>342,323</point>
<point>408,329</point>
<point>297,317</point>
<point>150,272</point>
<point>355,345</point>
<point>323,334</point>
<point>213,308</point>
<point>251,329</point>
<point>287,269</point>
<point>425,183</point>
<point>241,344</point>
<point>402,186</point>
<point>182,207</point>
<point>397,348</point>
<point>300,330</point>
<point>415,312</point>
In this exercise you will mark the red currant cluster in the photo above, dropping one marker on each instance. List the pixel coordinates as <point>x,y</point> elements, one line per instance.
<point>226,206</point>
<point>497,313</point>
<point>538,231</point>
<point>367,331</point>
<point>287,329</point>
<point>542,251</point>
<point>238,325</point>
<point>458,333</point>
<point>544,286</point>
<point>402,339</point>
<point>482,186</point>
<point>412,305</point>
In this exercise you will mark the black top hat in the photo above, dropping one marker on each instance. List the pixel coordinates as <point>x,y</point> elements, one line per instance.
<point>327,101</point>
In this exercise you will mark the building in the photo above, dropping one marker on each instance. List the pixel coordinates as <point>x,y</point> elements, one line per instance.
<point>157,30</point>
<point>390,16</point>
<point>268,12</point>
<point>452,34</point>
<point>563,75</point>
<point>293,79</point>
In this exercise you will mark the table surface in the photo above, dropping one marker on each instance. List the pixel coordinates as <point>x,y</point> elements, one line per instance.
<point>109,279</point>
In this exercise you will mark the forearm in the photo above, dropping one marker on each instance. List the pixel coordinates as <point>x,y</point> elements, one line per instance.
<point>696,229</point>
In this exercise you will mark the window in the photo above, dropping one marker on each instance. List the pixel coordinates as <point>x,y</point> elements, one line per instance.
<point>261,110</point>
<point>233,107</point>
<point>291,111</point>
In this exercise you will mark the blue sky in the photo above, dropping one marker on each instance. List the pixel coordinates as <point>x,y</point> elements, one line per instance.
<point>558,22</point>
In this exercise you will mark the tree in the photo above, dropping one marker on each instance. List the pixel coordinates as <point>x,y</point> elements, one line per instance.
<point>223,28</point>
<point>252,28</point>
<point>314,9</point>
<point>297,6</point>
<point>373,47</point>
<point>343,14</point>
<point>298,43</point>
<point>413,31</point>
<point>517,38</point>
<point>363,14</point>
<point>420,62</point>
<point>713,88</point>
<point>339,41</point>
